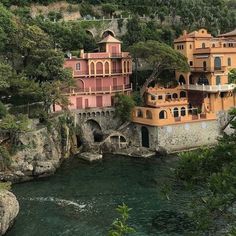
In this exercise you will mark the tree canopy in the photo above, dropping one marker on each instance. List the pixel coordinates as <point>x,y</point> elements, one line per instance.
<point>159,57</point>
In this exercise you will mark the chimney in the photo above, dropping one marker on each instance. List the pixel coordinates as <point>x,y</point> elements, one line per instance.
<point>82,53</point>
<point>184,32</point>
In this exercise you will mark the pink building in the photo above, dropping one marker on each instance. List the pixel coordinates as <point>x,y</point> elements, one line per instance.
<point>99,76</point>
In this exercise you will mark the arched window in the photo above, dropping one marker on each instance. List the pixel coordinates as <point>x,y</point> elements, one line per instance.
<point>92,68</point>
<point>168,96</point>
<point>182,79</point>
<point>203,80</point>
<point>217,63</point>
<point>204,66</point>
<point>203,45</point>
<point>218,80</point>
<point>175,95</point>
<point>229,61</point>
<point>148,114</point>
<point>191,81</point>
<point>128,66</point>
<point>213,45</point>
<point>139,113</point>
<point>106,68</point>
<point>99,68</point>
<point>183,111</point>
<point>163,115</point>
<point>77,66</point>
<point>176,112</point>
<point>183,94</point>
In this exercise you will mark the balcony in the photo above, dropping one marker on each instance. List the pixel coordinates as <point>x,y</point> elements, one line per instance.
<point>105,55</point>
<point>98,90</point>
<point>209,88</point>
<point>208,69</point>
<point>98,73</point>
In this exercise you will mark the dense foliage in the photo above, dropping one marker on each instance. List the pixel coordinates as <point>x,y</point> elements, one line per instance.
<point>190,14</point>
<point>215,170</point>
<point>124,105</point>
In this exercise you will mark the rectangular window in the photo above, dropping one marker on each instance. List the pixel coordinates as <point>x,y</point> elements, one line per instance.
<point>77,66</point>
<point>191,63</point>
<point>153,98</point>
<point>160,97</point>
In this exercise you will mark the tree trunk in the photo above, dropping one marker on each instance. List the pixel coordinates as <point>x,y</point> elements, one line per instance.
<point>150,79</point>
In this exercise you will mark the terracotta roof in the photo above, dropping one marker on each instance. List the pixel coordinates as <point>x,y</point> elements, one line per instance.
<point>232,33</point>
<point>110,39</point>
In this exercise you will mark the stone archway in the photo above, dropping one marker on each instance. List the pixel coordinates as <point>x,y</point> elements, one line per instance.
<point>108,32</point>
<point>145,136</point>
<point>89,33</point>
<point>93,131</point>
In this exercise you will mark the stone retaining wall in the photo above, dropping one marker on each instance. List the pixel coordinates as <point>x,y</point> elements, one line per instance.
<point>181,136</point>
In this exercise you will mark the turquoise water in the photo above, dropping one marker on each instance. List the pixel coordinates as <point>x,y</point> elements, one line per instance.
<point>80,199</point>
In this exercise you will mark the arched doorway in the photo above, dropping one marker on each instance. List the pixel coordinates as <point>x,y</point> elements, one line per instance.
<point>145,136</point>
<point>182,79</point>
<point>203,80</point>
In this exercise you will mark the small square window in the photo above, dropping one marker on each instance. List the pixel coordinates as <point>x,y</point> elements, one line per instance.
<point>160,97</point>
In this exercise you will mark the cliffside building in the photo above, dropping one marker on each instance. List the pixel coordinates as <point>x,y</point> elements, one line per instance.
<point>99,76</point>
<point>187,115</point>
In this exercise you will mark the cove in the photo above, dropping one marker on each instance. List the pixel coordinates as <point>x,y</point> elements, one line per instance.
<point>80,199</point>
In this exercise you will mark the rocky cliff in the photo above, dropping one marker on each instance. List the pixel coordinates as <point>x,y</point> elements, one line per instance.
<point>39,153</point>
<point>9,208</point>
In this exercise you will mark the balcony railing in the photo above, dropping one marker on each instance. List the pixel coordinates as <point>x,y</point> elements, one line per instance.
<point>116,55</point>
<point>209,88</point>
<point>92,90</point>
<point>99,72</point>
<point>207,69</point>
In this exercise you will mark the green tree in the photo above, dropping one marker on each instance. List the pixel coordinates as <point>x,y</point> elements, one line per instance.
<point>160,57</point>
<point>109,9</point>
<point>232,76</point>
<point>123,107</point>
<point>120,226</point>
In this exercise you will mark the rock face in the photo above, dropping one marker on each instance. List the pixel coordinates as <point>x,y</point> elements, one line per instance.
<point>40,154</point>
<point>9,208</point>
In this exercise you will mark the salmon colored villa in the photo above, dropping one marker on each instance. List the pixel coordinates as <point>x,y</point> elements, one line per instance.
<point>202,92</point>
<point>99,76</point>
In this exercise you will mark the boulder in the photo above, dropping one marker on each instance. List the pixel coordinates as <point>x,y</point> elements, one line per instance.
<point>9,209</point>
<point>88,156</point>
<point>44,168</point>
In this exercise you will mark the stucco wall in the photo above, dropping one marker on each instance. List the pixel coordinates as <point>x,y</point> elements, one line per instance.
<point>181,136</point>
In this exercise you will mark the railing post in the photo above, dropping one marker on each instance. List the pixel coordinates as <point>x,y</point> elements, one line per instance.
<point>123,88</point>
<point>90,90</point>
<point>110,89</point>
<point>131,86</point>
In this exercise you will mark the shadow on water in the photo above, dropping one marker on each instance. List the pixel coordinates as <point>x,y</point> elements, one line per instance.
<point>80,199</point>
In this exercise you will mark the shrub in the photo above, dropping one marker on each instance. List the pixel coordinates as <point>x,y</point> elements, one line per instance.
<point>3,110</point>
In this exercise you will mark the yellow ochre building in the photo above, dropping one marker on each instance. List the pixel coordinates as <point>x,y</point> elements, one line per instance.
<point>201,100</point>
